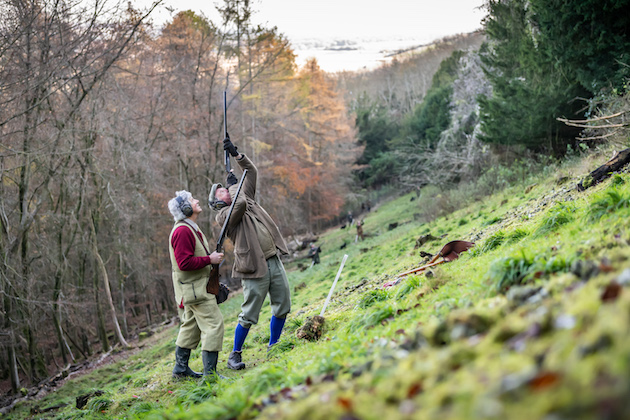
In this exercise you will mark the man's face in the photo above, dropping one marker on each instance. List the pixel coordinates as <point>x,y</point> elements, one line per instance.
<point>195,205</point>
<point>222,194</point>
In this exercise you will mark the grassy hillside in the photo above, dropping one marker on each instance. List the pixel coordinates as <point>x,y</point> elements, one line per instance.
<point>532,323</point>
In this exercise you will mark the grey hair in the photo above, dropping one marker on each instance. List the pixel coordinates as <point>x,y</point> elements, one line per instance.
<point>174,206</point>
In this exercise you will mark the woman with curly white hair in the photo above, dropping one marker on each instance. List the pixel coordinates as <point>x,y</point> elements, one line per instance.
<point>199,314</point>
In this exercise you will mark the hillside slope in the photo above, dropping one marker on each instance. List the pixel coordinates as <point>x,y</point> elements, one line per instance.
<point>532,323</point>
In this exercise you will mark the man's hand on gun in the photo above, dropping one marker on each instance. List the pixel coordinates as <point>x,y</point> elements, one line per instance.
<point>229,146</point>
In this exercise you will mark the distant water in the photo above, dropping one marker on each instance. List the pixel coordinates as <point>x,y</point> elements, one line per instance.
<point>352,55</point>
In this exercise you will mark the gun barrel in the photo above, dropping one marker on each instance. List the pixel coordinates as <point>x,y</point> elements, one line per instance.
<point>228,165</point>
<point>224,113</point>
<point>227,219</point>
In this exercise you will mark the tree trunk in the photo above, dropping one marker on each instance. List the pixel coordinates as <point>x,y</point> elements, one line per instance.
<point>123,309</point>
<point>102,331</point>
<point>13,365</point>
<point>108,292</point>
<point>62,348</point>
<point>147,313</point>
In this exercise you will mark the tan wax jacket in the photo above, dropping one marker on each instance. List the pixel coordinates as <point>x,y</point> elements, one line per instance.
<point>190,286</point>
<point>249,260</point>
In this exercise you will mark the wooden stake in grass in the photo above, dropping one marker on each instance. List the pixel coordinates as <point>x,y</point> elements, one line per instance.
<point>345,257</point>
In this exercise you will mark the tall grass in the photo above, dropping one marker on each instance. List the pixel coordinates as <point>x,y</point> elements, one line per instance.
<point>609,202</point>
<point>516,270</point>
<point>558,215</point>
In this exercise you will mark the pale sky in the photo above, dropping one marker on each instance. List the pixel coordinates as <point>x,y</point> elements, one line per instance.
<point>371,28</point>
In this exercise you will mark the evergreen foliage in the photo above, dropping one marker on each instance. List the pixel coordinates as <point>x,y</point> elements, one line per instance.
<point>588,40</point>
<point>544,60</point>
<point>375,130</point>
<point>430,118</point>
<point>529,91</point>
<point>432,115</point>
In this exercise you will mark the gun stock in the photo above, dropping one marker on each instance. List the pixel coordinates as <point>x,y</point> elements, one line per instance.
<point>213,281</point>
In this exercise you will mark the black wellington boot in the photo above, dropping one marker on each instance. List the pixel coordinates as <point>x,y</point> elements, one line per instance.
<point>181,369</point>
<point>210,359</point>
<point>234,361</point>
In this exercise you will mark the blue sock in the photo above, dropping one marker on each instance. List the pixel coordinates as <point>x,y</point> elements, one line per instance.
<point>239,337</point>
<point>275,326</point>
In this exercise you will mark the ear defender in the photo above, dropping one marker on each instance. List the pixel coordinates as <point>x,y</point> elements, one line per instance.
<point>184,206</point>
<point>218,205</point>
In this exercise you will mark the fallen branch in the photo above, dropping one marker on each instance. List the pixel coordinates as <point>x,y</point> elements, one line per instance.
<point>618,161</point>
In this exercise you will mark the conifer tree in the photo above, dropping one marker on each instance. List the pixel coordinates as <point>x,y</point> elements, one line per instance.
<point>529,90</point>
<point>589,40</point>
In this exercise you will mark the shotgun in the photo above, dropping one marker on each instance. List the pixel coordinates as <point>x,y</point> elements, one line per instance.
<point>228,165</point>
<point>213,281</point>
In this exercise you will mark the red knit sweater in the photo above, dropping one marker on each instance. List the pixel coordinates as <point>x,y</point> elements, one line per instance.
<point>183,242</point>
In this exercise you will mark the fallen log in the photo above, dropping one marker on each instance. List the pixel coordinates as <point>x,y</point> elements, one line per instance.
<point>618,161</point>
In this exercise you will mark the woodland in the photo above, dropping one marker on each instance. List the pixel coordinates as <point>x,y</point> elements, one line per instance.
<point>104,116</point>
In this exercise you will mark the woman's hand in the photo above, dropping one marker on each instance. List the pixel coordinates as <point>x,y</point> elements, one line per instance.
<point>216,257</point>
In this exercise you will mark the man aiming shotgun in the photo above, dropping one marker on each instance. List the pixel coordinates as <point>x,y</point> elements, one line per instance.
<point>257,242</point>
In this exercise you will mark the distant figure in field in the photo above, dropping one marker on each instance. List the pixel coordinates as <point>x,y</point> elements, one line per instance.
<point>350,218</point>
<point>359,230</point>
<point>314,254</point>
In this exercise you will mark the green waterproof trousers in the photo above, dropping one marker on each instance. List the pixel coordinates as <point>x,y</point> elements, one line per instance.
<point>274,283</point>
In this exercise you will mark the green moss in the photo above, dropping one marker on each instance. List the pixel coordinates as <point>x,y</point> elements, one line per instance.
<point>587,181</point>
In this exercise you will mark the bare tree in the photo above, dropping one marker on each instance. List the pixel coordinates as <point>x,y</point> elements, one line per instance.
<point>52,56</point>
